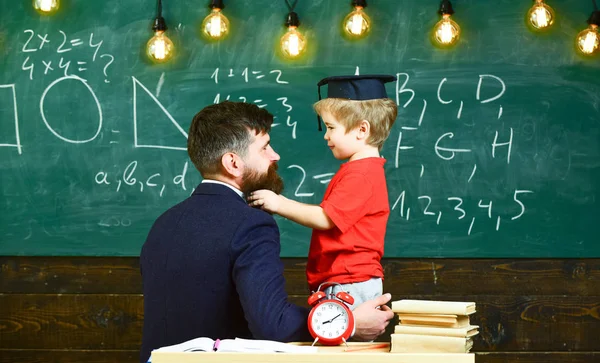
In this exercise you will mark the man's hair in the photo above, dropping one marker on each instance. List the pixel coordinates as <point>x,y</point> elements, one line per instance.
<point>222,128</point>
<point>381,114</point>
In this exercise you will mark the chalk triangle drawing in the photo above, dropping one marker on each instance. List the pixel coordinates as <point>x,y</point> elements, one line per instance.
<point>155,144</point>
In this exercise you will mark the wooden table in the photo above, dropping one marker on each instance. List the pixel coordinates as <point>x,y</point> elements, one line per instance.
<point>356,353</point>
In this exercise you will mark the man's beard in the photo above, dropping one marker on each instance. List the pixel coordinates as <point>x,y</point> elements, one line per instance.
<point>270,180</point>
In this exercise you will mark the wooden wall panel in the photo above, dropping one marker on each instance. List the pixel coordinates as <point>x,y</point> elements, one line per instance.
<point>512,277</point>
<point>67,309</point>
<point>46,321</point>
<point>112,356</point>
<point>69,356</point>
<point>71,321</point>
<point>443,277</point>
<point>70,275</point>
<point>550,357</point>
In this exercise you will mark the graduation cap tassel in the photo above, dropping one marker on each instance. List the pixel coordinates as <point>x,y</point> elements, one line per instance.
<point>319,117</point>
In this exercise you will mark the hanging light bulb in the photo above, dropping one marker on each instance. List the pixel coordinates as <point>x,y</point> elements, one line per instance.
<point>540,16</point>
<point>215,26</point>
<point>357,24</point>
<point>588,40</point>
<point>159,48</point>
<point>446,32</point>
<point>46,6</point>
<point>293,42</point>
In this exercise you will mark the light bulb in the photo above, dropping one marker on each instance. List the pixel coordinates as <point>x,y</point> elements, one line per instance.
<point>588,40</point>
<point>160,48</point>
<point>46,6</point>
<point>540,16</point>
<point>293,43</point>
<point>357,24</point>
<point>446,32</point>
<point>215,25</point>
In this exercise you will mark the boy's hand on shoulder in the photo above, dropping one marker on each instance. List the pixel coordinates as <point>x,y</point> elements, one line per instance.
<point>265,200</point>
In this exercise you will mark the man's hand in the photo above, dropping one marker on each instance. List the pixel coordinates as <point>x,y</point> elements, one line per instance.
<point>265,199</point>
<point>371,318</point>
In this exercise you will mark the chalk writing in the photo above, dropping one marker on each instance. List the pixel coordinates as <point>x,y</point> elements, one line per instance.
<point>489,88</point>
<point>246,74</point>
<point>36,42</point>
<point>88,88</point>
<point>136,84</point>
<point>282,101</point>
<point>131,178</point>
<point>15,114</point>
<point>457,205</point>
<point>448,146</point>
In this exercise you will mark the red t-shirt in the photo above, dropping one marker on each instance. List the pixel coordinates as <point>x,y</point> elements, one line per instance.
<point>356,200</point>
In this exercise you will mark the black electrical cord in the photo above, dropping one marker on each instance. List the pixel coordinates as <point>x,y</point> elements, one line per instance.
<point>292,18</point>
<point>159,21</point>
<point>218,4</point>
<point>446,8</point>
<point>595,17</point>
<point>291,6</point>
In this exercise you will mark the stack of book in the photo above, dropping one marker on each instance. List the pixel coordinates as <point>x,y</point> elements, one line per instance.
<point>427,326</point>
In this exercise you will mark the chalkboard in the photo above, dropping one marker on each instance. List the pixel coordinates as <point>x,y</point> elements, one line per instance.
<point>495,152</point>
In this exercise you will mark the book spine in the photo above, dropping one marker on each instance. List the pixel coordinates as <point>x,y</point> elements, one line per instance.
<point>425,308</point>
<point>433,330</point>
<point>412,343</point>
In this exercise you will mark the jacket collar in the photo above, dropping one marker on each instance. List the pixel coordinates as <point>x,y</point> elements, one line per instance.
<point>216,189</point>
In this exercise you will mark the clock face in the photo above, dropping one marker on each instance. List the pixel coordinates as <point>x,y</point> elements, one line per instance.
<point>329,320</point>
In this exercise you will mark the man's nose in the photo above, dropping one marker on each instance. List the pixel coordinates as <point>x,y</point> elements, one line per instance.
<point>275,156</point>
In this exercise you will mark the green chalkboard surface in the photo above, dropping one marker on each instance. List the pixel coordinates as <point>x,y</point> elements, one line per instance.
<point>495,152</point>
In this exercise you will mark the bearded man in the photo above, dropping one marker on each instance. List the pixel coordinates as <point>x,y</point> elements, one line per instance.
<point>210,265</point>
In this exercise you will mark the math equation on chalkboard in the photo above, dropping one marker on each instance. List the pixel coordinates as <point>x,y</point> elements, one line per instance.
<point>419,142</point>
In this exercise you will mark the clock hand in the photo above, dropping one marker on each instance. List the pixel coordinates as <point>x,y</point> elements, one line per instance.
<point>330,320</point>
<point>335,317</point>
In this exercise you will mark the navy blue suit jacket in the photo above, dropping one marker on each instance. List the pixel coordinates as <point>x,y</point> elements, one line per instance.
<point>211,268</point>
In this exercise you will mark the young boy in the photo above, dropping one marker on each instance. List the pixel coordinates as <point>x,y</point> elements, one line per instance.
<point>350,223</point>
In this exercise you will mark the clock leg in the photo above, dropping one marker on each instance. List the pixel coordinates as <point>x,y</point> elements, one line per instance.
<point>315,342</point>
<point>345,342</point>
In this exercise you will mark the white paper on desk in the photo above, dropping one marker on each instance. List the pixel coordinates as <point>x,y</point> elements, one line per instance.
<point>197,344</point>
<point>269,346</point>
<point>204,344</point>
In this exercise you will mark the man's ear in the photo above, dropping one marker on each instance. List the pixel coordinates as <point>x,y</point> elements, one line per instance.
<point>363,130</point>
<point>232,164</point>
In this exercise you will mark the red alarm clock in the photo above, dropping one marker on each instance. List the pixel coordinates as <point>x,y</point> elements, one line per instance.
<point>330,321</point>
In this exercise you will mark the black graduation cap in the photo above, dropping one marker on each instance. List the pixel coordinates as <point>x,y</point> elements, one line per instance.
<point>358,88</point>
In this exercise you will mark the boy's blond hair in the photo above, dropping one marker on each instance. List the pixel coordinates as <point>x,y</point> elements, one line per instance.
<point>381,114</point>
